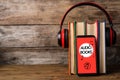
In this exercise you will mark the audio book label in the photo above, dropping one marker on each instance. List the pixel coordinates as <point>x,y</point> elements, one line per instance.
<point>86,50</point>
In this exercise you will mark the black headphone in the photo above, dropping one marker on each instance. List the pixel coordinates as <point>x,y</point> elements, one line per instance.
<point>109,32</point>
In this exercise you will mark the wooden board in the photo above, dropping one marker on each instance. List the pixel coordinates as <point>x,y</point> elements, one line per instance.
<point>46,55</point>
<point>34,35</point>
<point>51,11</point>
<point>50,72</point>
<point>28,35</point>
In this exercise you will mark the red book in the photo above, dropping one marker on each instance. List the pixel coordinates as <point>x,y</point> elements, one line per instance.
<point>86,55</point>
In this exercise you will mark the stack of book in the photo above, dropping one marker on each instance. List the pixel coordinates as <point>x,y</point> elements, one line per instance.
<point>83,28</point>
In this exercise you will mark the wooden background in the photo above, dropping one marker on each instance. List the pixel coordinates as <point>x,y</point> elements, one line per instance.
<point>28,29</point>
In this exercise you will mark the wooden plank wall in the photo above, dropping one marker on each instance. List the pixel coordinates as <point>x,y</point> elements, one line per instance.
<point>28,29</point>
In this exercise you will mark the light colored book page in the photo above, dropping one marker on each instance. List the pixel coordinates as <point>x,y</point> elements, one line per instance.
<point>102,51</point>
<point>72,47</point>
<point>92,29</point>
<point>80,28</point>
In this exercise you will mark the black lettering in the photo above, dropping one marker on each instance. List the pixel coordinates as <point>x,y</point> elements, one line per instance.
<point>81,52</point>
<point>86,51</point>
<point>90,46</point>
<point>86,47</point>
<point>82,47</point>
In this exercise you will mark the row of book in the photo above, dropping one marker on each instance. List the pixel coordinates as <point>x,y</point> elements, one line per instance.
<point>83,28</point>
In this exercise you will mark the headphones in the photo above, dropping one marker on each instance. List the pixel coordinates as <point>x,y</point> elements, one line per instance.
<point>109,31</point>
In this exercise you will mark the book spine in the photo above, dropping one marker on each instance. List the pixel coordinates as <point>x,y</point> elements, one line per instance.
<point>85,28</point>
<point>102,49</point>
<point>75,54</point>
<point>69,62</point>
<point>97,32</point>
<point>98,46</point>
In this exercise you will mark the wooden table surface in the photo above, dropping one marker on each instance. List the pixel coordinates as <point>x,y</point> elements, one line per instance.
<point>50,72</point>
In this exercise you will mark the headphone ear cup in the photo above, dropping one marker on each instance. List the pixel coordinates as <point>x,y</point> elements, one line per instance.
<point>63,38</point>
<point>66,38</point>
<point>110,37</point>
<point>59,38</point>
<point>113,37</point>
<point>107,36</point>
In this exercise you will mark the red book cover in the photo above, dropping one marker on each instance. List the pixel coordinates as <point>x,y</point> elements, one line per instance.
<point>86,55</point>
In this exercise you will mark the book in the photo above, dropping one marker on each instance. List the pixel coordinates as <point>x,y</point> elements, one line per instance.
<point>102,49</point>
<point>86,55</point>
<point>75,28</point>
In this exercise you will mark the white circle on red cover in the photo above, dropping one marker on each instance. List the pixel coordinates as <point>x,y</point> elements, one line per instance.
<point>86,50</point>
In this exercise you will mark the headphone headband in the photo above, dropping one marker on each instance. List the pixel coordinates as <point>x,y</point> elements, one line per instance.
<point>90,4</point>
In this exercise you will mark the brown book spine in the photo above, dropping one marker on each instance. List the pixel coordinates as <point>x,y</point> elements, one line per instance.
<point>69,63</point>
